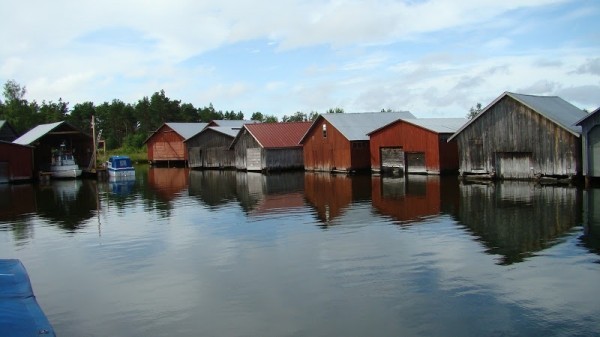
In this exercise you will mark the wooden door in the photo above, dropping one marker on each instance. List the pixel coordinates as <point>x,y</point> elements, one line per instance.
<point>514,165</point>
<point>253,159</point>
<point>415,162</point>
<point>392,159</point>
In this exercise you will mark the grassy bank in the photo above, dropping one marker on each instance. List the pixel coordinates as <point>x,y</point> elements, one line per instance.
<point>136,155</point>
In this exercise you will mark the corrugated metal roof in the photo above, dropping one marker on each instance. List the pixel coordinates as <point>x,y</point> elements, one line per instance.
<point>187,130</point>
<point>554,108</point>
<point>278,135</point>
<point>437,125</point>
<point>36,133</point>
<point>357,126</point>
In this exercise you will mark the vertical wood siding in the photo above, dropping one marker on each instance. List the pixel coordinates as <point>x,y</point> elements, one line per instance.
<point>245,141</point>
<point>440,156</point>
<point>166,145</point>
<point>210,149</point>
<point>18,162</point>
<point>333,152</point>
<point>591,145</point>
<point>510,127</point>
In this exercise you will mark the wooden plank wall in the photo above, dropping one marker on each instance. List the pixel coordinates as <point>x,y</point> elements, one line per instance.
<point>509,126</point>
<point>326,153</point>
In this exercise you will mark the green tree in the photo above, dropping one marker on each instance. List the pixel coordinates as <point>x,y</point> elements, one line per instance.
<point>81,115</point>
<point>54,112</point>
<point>474,111</point>
<point>209,113</point>
<point>335,111</point>
<point>257,116</point>
<point>117,121</point>
<point>299,116</point>
<point>188,113</point>
<point>17,111</point>
<point>313,115</point>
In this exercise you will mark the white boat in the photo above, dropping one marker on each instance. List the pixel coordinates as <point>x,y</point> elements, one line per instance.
<point>120,167</point>
<point>64,166</point>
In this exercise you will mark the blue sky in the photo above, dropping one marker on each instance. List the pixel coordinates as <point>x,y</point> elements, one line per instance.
<point>434,58</point>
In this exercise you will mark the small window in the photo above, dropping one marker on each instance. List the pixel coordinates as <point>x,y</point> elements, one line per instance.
<point>324,130</point>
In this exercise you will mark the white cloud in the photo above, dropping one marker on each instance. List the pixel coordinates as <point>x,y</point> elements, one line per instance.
<point>358,55</point>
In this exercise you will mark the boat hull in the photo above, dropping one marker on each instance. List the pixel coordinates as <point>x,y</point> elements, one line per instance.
<point>121,173</point>
<point>66,173</point>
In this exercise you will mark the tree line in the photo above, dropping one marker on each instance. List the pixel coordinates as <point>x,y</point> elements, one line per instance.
<point>122,124</point>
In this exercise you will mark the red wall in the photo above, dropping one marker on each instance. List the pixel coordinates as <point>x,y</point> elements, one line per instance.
<point>166,144</point>
<point>333,152</point>
<point>20,160</point>
<point>439,155</point>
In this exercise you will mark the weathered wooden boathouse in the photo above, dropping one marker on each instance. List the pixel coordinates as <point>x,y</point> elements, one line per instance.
<point>339,142</point>
<point>522,137</point>
<point>415,146</point>
<point>210,148</point>
<point>590,132</point>
<point>270,146</point>
<point>166,145</point>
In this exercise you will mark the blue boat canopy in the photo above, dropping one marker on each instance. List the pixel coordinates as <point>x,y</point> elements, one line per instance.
<point>120,161</point>
<point>20,314</point>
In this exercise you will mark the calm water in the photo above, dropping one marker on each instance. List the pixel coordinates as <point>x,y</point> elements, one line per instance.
<point>180,253</point>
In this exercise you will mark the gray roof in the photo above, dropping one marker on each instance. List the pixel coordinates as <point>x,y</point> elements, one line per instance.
<point>36,133</point>
<point>581,121</point>
<point>229,131</point>
<point>437,125</point>
<point>187,130</point>
<point>554,108</point>
<point>233,123</point>
<point>357,126</point>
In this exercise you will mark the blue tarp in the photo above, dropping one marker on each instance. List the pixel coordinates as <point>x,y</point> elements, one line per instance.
<point>20,314</point>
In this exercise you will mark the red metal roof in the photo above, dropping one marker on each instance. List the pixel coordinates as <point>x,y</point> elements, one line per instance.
<point>278,135</point>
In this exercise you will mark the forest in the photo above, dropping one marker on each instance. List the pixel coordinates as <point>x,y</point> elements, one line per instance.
<point>123,125</point>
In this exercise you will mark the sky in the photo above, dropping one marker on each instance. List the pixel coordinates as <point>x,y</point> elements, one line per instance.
<point>434,58</point>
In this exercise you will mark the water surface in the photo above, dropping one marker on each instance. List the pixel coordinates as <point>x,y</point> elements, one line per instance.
<point>223,253</point>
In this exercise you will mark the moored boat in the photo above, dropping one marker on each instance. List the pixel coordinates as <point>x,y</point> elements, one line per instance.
<point>64,165</point>
<point>120,167</point>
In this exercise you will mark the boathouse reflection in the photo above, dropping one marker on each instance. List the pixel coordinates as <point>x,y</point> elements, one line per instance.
<point>68,203</point>
<point>330,194</point>
<point>515,219</point>
<point>411,198</point>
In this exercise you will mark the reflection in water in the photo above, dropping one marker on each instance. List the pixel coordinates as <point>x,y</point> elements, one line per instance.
<point>243,254</point>
<point>406,200</point>
<point>17,206</point>
<point>67,203</point>
<point>331,194</point>
<point>515,219</point>
<point>213,187</point>
<point>274,193</point>
<point>591,222</point>
<point>168,183</point>
<point>122,186</point>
